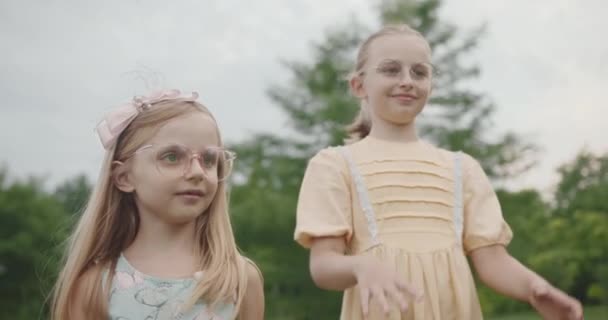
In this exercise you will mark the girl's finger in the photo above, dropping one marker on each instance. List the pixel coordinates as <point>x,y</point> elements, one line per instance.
<point>398,296</point>
<point>378,294</point>
<point>414,293</point>
<point>364,295</point>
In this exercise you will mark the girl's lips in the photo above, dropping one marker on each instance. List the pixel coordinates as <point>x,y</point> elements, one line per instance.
<point>404,97</point>
<point>193,193</point>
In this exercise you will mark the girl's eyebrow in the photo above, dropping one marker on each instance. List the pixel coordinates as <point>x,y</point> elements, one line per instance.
<point>387,61</point>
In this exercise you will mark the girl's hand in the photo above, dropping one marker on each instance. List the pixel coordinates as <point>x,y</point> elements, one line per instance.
<point>551,303</point>
<point>376,280</point>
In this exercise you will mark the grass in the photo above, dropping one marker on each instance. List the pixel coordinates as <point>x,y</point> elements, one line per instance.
<point>591,313</point>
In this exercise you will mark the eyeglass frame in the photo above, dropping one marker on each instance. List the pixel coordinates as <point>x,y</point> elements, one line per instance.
<point>400,75</point>
<point>192,155</point>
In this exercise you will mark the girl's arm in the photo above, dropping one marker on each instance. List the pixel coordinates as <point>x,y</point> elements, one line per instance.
<point>329,267</point>
<point>501,272</point>
<point>252,307</point>
<point>507,276</point>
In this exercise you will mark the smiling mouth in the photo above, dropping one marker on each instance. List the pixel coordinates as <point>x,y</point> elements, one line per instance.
<point>404,96</point>
<point>405,99</point>
<point>191,193</point>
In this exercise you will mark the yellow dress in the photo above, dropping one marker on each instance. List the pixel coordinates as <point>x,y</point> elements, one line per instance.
<point>413,205</point>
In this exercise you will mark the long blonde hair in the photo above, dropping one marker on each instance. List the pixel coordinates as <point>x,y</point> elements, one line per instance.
<point>110,222</point>
<point>362,124</point>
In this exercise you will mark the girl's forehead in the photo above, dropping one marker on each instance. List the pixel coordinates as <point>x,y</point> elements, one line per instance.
<point>405,48</point>
<point>195,129</point>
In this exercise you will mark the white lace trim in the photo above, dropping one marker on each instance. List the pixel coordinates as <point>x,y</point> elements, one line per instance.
<point>366,205</point>
<point>458,208</point>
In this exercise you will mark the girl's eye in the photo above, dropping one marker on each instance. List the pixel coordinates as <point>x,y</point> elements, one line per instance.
<point>171,157</point>
<point>421,72</point>
<point>210,158</point>
<point>390,70</point>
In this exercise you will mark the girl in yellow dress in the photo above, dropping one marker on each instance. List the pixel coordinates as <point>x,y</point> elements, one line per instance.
<point>391,219</point>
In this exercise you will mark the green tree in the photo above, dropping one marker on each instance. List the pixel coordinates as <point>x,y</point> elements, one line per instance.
<point>583,184</point>
<point>318,106</point>
<point>31,227</point>
<point>576,238</point>
<point>573,253</point>
<point>74,193</point>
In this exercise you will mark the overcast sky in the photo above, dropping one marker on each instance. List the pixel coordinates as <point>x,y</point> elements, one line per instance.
<point>64,63</point>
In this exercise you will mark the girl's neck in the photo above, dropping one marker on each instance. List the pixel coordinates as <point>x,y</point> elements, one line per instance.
<point>385,130</point>
<point>164,249</point>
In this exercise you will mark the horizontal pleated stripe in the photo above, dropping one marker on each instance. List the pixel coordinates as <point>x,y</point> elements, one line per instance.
<point>412,209</point>
<point>408,168</point>
<point>396,194</point>
<point>373,181</point>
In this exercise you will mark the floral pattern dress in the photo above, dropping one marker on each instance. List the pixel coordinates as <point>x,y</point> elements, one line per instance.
<point>136,296</point>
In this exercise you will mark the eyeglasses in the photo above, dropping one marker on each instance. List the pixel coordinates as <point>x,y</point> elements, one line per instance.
<point>176,160</point>
<point>394,69</point>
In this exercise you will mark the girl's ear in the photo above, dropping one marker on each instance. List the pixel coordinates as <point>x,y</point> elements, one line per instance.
<point>356,86</point>
<point>121,177</point>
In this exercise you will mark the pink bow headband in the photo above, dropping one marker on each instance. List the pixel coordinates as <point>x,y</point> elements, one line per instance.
<point>117,120</point>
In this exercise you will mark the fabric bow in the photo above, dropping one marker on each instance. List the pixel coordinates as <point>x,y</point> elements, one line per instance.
<point>117,120</point>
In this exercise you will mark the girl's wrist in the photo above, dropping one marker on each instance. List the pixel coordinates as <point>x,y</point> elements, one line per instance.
<point>356,265</point>
<point>536,286</point>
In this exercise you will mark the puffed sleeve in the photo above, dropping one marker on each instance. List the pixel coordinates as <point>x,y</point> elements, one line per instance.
<point>484,224</point>
<point>324,202</point>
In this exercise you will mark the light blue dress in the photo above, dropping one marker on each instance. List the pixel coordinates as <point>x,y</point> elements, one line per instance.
<point>136,296</point>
